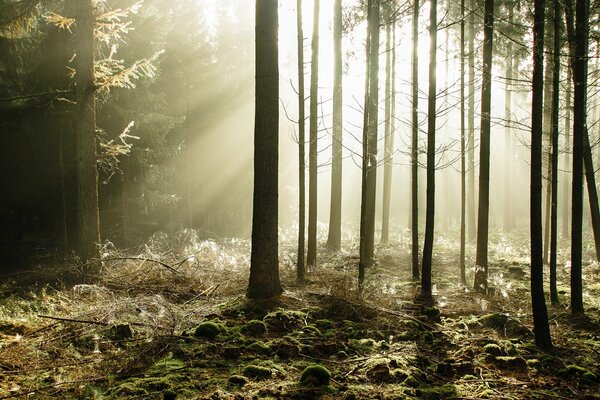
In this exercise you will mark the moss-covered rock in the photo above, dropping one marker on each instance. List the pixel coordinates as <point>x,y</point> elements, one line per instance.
<point>493,349</point>
<point>324,324</point>
<point>284,319</point>
<point>315,375</point>
<point>578,372</point>
<point>208,329</point>
<point>257,372</point>
<point>237,380</point>
<point>436,392</point>
<point>254,328</point>
<point>510,362</point>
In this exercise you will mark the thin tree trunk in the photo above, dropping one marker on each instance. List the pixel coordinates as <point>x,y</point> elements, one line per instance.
<point>300,263</point>
<point>472,232</point>
<point>463,172</point>
<point>540,313</point>
<point>508,211</point>
<point>88,218</point>
<point>431,150</point>
<point>388,140</point>
<point>415,143</point>
<point>264,259</point>
<point>547,127</point>
<point>555,133</point>
<point>484,157</point>
<point>334,238</point>
<point>566,220</point>
<point>311,258</point>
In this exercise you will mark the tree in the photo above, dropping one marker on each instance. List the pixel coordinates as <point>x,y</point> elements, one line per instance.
<point>300,264</point>
<point>554,160</point>
<point>484,149</point>
<point>471,219</point>
<point>540,314</point>
<point>264,259</point>
<point>334,238</point>
<point>463,172</point>
<point>414,156</point>
<point>567,156</point>
<point>577,29</point>
<point>369,161</point>
<point>388,146</point>
<point>431,151</point>
<point>311,258</point>
<point>88,217</point>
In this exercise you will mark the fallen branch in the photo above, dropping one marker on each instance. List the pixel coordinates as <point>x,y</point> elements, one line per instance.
<point>162,264</point>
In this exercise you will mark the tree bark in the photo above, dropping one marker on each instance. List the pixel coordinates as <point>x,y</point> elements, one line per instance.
<point>540,314</point>
<point>264,259</point>
<point>566,220</point>
<point>547,127</point>
<point>484,154</point>
<point>300,262</point>
<point>388,139</point>
<point>311,258</point>
<point>334,239</point>
<point>88,218</point>
<point>414,163</point>
<point>431,150</point>
<point>471,205</point>
<point>463,172</point>
<point>508,211</point>
<point>555,133</point>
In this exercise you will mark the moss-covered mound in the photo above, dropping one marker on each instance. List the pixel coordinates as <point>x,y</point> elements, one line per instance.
<point>315,375</point>
<point>208,329</point>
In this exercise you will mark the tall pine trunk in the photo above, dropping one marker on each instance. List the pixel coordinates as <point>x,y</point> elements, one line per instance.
<point>300,263</point>
<point>540,314</point>
<point>463,172</point>
<point>88,219</point>
<point>334,238</point>
<point>555,133</point>
<point>431,150</point>
<point>484,149</point>
<point>388,138</point>
<point>547,127</point>
<point>566,220</point>
<point>367,228</point>
<point>471,219</point>
<point>414,162</point>
<point>311,258</point>
<point>264,259</point>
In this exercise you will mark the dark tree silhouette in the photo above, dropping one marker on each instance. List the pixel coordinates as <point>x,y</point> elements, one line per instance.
<point>540,314</point>
<point>471,217</point>
<point>463,139</point>
<point>484,149</point>
<point>414,162</point>
<point>88,219</point>
<point>431,151</point>
<point>264,259</point>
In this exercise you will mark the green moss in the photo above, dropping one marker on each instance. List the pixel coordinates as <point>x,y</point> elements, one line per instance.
<point>437,392</point>
<point>493,349</point>
<point>311,330</point>
<point>285,319</point>
<point>494,320</point>
<point>254,328</point>
<point>324,324</point>
<point>169,394</point>
<point>257,372</point>
<point>578,371</point>
<point>130,388</point>
<point>166,364</point>
<point>208,329</point>
<point>237,380</point>
<point>362,345</point>
<point>315,375</point>
<point>260,347</point>
<point>510,362</point>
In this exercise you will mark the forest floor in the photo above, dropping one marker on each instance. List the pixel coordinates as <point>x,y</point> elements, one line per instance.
<point>181,328</point>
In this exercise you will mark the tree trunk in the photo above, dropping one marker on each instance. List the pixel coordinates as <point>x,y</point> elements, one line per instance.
<point>367,239</point>
<point>311,258</point>
<point>566,220</point>
<point>577,28</point>
<point>508,211</point>
<point>555,133</point>
<point>431,150</point>
<point>414,164</point>
<point>540,314</point>
<point>88,219</point>
<point>463,172</point>
<point>547,127</point>
<point>484,146</point>
<point>300,263</point>
<point>334,239</point>
<point>472,232</point>
<point>389,138</point>
<point>264,260</point>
